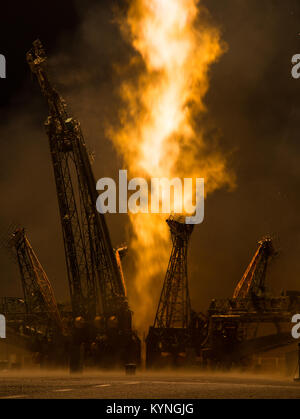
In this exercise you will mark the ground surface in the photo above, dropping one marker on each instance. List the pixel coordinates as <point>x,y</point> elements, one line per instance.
<point>107,386</point>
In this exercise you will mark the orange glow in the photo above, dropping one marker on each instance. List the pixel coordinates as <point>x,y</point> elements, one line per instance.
<point>158,135</point>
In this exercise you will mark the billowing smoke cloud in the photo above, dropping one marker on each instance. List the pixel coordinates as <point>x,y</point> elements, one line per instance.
<point>174,49</point>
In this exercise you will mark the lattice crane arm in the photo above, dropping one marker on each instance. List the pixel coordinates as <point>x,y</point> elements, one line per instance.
<point>95,281</point>
<point>38,293</point>
<point>253,280</point>
<point>37,60</point>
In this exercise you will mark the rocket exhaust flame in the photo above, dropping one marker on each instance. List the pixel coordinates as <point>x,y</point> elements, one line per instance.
<point>175,47</point>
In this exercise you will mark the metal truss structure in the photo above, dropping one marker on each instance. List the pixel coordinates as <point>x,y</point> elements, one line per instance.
<point>174,308</point>
<point>176,327</point>
<point>95,281</point>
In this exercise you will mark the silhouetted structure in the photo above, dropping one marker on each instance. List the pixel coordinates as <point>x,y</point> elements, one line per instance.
<point>102,318</point>
<point>170,337</point>
<point>253,321</point>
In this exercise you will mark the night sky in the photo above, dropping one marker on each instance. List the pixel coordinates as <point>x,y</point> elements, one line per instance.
<point>253,101</point>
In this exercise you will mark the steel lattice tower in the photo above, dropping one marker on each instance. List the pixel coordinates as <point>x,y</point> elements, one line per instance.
<point>38,293</point>
<point>95,282</point>
<point>174,308</point>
